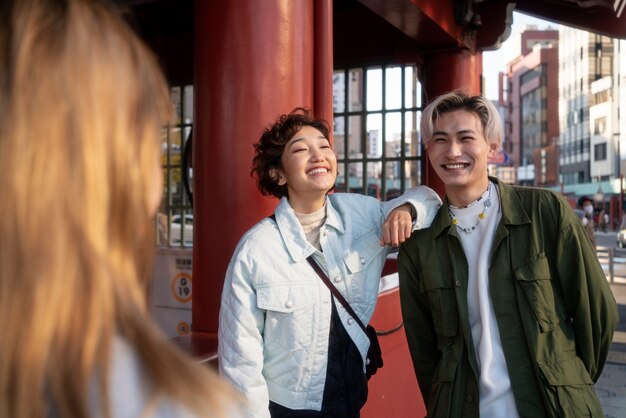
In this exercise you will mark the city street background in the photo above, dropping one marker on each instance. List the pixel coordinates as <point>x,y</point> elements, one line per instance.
<point>611,387</point>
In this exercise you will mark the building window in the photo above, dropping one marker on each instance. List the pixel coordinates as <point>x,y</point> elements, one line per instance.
<point>599,126</point>
<point>175,216</point>
<point>599,151</point>
<point>376,115</point>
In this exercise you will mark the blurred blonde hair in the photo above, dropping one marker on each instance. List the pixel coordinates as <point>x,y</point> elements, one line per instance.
<point>82,101</point>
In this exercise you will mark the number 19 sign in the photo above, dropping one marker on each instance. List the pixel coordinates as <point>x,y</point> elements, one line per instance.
<point>181,287</point>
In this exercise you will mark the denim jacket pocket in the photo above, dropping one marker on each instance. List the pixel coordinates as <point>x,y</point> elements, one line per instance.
<point>569,388</point>
<point>363,251</point>
<point>442,299</point>
<point>536,282</point>
<point>288,313</point>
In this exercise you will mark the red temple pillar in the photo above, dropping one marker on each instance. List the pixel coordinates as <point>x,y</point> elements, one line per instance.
<point>253,61</point>
<point>445,71</point>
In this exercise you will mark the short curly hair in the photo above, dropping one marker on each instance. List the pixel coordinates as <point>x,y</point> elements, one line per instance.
<point>268,151</point>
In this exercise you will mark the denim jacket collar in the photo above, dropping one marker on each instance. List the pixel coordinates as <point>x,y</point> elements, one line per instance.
<point>292,233</point>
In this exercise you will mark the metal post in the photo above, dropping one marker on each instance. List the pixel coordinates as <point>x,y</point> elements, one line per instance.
<point>621,201</point>
<point>611,265</point>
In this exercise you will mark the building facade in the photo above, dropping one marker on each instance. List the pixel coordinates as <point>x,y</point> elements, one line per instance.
<point>583,58</point>
<point>531,119</point>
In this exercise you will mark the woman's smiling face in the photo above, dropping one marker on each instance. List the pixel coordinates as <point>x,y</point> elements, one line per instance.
<point>309,169</point>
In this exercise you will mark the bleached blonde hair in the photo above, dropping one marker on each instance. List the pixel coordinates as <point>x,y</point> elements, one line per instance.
<point>82,102</point>
<point>460,100</point>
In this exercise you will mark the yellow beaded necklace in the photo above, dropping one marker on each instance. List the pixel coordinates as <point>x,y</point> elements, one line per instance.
<point>481,215</point>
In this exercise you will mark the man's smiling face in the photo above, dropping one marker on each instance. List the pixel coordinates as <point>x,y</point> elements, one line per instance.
<point>459,152</point>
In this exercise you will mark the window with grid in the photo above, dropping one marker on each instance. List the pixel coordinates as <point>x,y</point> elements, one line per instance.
<point>376,116</point>
<point>175,217</point>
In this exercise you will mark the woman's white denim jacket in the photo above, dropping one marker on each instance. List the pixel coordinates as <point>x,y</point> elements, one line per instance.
<point>275,311</point>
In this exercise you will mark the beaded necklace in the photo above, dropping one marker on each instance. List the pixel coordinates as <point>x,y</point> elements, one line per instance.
<point>481,215</point>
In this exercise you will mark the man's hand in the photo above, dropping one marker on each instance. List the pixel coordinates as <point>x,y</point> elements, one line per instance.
<point>397,226</point>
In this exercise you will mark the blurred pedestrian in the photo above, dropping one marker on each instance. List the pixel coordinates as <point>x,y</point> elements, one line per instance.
<point>585,205</point>
<point>82,105</point>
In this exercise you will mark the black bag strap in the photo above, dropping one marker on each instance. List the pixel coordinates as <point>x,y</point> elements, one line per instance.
<point>334,291</point>
<point>331,287</point>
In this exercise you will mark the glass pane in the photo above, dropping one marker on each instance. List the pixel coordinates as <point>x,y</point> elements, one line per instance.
<point>175,187</point>
<point>188,105</point>
<point>355,178</point>
<point>180,227</point>
<point>393,86</point>
<point>373,179</point>
<point>393,132</point>
<point>355,146</point>
<point>339,127</point>
<point>412,143</point>
<point>339,91</point>
<point>175,95</point>
<point>175,146</point>
<point>374,135</point>
<point>164,146</point>
<point>355,90</point>
<point>412,175</point>
<point>340,183</point>
<point>412,88</point>
<point>374,89</point>
<point>393,175</point>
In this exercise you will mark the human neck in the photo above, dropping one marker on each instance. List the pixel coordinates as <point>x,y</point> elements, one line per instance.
<point>464,195</point>
<point>307,204</point>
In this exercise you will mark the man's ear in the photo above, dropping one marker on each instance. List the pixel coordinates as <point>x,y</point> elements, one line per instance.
<point>278,176</point>
<point>493,150</point>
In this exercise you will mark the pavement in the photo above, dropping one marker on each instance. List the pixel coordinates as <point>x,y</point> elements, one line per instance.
<point>611,387</point>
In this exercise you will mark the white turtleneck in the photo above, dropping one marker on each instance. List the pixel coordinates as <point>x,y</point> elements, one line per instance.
<point>311,224</point>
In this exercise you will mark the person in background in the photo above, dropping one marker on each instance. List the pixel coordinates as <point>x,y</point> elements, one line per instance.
<point>284,341</point>
<point>603,219</point>
<point>586,217</point>
<point>82,104</point>
<point>506,308</point>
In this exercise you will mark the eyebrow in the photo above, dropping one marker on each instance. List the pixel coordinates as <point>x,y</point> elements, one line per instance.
<point>290,144</point>
<point>462,131</point>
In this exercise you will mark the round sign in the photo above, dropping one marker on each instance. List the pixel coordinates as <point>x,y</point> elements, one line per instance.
<point>183,328</point>
<point>181,287</point>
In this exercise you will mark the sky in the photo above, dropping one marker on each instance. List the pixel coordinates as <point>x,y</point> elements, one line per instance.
<point>494,61</point>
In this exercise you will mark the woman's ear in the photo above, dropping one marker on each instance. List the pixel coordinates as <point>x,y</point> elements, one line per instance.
<point>278,176</point>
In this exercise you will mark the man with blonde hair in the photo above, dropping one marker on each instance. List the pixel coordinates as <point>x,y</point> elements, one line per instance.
<point>506,309</point>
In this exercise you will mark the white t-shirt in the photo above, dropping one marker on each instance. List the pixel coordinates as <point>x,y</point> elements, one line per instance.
<point>496,394</point>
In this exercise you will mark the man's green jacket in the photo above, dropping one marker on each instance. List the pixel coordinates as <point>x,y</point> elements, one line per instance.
<point>555,311</point>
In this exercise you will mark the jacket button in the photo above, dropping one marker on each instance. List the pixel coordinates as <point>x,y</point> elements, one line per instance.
<point>350,321</point>
<point>338,279</point>
<point>362,260</point>
<point>470,398</point>
<point>289,304</point>
<point>325,233</point>
<point>457,283</point>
